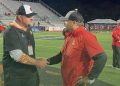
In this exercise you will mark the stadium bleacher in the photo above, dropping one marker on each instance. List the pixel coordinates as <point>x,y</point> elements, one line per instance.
<point>3,10</point>
<point>45,16</point>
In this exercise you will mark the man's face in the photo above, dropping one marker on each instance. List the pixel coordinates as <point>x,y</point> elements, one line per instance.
<point>69,24</point>
<point>26,20</point>
<point>118,24</point>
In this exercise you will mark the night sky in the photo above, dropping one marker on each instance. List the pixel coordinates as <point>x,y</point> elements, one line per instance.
<point>90,9</point>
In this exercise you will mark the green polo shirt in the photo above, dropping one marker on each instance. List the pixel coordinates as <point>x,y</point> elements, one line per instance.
<point>15,38</point>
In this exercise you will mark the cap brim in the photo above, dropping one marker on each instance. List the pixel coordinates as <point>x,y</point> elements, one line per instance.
<point>118,21</point>
<point>67,15</point>
<point>63,18</point>
<point>31,14</point>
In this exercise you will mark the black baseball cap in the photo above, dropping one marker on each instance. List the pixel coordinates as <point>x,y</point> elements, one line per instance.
<point>74,15</point>
<point>25,10</point>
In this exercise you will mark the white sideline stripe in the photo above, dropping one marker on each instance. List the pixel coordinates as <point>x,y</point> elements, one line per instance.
<point>110,66</point>
<point>51,72</point>
<point>45,38</point>
<point>48,46</point>
<point>48,36</point>
<point>44,46</point>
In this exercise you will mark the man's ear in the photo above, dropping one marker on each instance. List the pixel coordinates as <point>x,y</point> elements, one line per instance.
<point>18,17</point>
<point>74,22</point>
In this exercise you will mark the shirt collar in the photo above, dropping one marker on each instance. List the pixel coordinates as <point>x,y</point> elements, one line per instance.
<point>75,32</point>
<point>16,25</point>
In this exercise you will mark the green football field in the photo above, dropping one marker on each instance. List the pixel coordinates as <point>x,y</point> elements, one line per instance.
<point>50,43</point>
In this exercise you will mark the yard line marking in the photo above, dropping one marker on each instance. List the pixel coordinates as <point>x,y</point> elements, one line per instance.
<point>52,73</point>
<point>48,46</point>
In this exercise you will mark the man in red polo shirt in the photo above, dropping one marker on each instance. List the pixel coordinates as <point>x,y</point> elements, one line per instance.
<point>116,45</point>
<point>82,57</point>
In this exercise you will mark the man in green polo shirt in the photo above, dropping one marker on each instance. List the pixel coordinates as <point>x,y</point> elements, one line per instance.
<point>19,63</point>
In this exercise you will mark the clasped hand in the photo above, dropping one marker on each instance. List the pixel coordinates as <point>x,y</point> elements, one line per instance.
<point>41,63</point>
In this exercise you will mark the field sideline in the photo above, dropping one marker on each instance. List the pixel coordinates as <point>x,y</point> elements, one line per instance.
<point>50,43</point>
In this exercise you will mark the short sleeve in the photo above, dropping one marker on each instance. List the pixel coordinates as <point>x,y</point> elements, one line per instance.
<point>11,40</point>
<point>92,46</point>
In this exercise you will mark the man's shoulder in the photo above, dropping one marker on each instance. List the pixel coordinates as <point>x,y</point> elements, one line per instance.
<point>10,30</point>
<point>88,35</point>
<point>86,32</point>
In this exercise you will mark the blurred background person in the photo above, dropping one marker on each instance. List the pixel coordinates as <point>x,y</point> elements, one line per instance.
<point>116,45</point>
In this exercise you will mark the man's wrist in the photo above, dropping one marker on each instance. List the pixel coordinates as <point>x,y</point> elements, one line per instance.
<point>48,61</point>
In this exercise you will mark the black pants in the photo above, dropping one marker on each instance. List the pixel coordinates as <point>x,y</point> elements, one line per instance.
<point>32,80</point>
<point>116,56</point>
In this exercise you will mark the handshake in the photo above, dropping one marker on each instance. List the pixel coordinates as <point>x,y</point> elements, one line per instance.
<point>41,63</point>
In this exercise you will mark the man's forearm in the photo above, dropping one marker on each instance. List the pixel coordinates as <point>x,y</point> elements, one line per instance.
<point>21,57</point>
<point>55,59</point>
<point>99,63</point>
<point>25,59</point>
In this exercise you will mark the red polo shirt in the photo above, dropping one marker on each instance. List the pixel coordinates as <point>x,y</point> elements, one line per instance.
<point>116,37</point>
<point>80,47</point>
